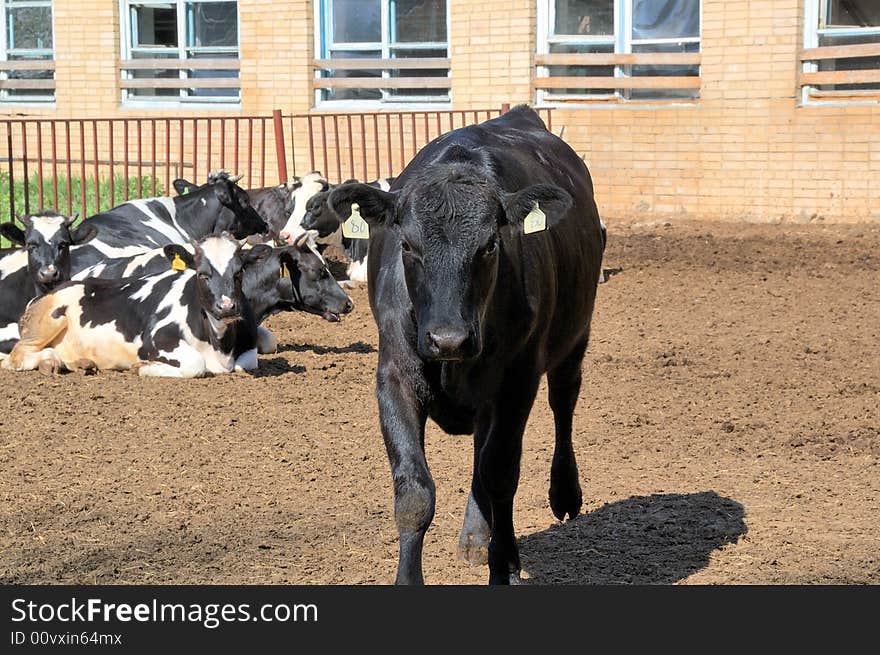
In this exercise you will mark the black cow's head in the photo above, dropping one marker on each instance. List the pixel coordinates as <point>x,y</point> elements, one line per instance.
<point>454,223</point>
<point>48,237</point>
<point>222,204</point>
<point>312,286</point>
<point>218,262</point>
<point>320,217</point>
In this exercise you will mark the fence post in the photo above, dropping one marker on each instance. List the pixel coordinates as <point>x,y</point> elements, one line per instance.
<point>280,150</point>
<point>505,107</point>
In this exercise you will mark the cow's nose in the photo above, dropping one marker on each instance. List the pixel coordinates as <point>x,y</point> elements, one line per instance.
<point>447,342</point>
<point>225,306</point>
<point>48,274</point>
<point>349,305</point>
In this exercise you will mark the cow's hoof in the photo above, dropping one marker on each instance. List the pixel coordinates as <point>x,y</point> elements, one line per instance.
<point>49,367</point>
<point>474,549</point>
<point>85,366</point>
<point>566,498</point>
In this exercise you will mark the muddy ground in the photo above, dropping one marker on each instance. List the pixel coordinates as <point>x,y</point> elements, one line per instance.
<point>727,432</point>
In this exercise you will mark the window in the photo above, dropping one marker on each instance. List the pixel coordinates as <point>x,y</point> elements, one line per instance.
<point>841,56</point>
<point>27,67</point>
<point>618,50</point>
<point>376,52</point>
<point>180,51</point>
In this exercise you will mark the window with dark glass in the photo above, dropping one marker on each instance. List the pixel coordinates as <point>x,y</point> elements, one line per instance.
<point>380,51</point>
<point>27,71</point>
<point>180,51</point>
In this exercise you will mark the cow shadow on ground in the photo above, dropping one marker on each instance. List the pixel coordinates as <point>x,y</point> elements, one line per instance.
<point>358,347</point>
<point>270,368</point>
<point>657,539</point>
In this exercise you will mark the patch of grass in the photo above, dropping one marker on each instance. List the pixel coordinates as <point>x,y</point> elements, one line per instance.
<point>137,188</point>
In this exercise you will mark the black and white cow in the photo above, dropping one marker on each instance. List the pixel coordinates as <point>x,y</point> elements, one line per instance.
<point>305,284</point>
<point>35,268</point>
<point>328,223</point>
<point>484,261</point>
<point>187,321</point>
<point>139,225</point>
<point>274,204</point>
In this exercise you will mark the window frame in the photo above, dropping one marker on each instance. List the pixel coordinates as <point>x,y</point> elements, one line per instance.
<point>324,44</point>
<point>621,42</point>
<point>5,96</point>
<point>127,49</point>
<point>815,12</point>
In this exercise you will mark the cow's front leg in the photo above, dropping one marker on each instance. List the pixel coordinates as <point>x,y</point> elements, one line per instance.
<point>499,470</point>
<point>473,544</point>
<point>402,418</point>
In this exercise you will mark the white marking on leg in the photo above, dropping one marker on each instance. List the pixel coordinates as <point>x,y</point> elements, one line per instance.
<point>267,344</point>
<point>357,271</point>
<point>9,331</point>
<point>247,361</point>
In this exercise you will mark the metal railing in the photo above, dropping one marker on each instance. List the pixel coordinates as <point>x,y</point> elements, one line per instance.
<point>90,165</point>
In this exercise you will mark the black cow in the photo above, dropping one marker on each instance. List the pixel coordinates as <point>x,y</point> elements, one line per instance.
<point>138,225</point>
<point>36,268</point>
<point>191,319</point>
<point>484,260</point>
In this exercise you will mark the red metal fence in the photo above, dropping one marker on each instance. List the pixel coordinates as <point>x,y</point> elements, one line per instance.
<point>89,165</point>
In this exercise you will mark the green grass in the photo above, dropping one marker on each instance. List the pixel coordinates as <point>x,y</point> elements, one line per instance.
<point>76,188</point>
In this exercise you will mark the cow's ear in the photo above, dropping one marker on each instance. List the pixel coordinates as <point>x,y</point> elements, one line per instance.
<point>256,254</point>
<point>551,200</point>
<point>12,232</point>
<point>183,186</point>
<point>178,255</point>
<point>83,234</point>
<point>376,207</point>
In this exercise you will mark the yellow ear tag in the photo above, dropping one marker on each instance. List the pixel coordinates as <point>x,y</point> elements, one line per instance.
<point>535,221</point>
<point>284,271</point>
<point>355,227</point>
<point>177,264</point>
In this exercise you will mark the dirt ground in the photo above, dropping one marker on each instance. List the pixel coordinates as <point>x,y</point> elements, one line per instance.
<point>727,433</point>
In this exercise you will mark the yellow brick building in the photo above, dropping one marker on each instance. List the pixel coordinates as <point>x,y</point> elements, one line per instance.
<point>761,111</point>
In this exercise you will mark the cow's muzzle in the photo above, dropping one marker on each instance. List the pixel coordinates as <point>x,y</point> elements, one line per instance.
<point>449,343</point>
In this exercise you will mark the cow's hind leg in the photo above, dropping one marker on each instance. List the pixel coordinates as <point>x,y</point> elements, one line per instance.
<point>40,327</point>
<point>564,383</point>
<point>499,469</point>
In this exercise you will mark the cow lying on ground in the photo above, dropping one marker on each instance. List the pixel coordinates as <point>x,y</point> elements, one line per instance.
<point>139,225</point>
<point>187,321</point>
<point>276,205</point>
<point>318,216</point>
<point>484,261</point>
<point>37,267</point>
<point>299,261</point>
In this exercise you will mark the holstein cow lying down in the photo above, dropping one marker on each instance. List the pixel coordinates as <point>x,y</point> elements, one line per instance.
<point>187,321</point>
<point>139,225</point>
<point>306,285</point>
<point>329,224</point>
<point>484,260</point>
<point>36,268</point>
<point>274,204</point>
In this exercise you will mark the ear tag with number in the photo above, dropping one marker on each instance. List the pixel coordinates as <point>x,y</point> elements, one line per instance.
<point>177,264</point>
<point>535,221</point>
<point>355,227</point>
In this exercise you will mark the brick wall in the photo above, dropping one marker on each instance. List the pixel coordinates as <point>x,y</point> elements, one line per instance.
<point>745,151</point>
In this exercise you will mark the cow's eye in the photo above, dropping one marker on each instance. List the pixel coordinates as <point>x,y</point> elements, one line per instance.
<point>204,276</point>
<point>63,246</point>
<point>325,274</point>
<point>491,247</point>
<point>404,245</point>
<point>31,246</point>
